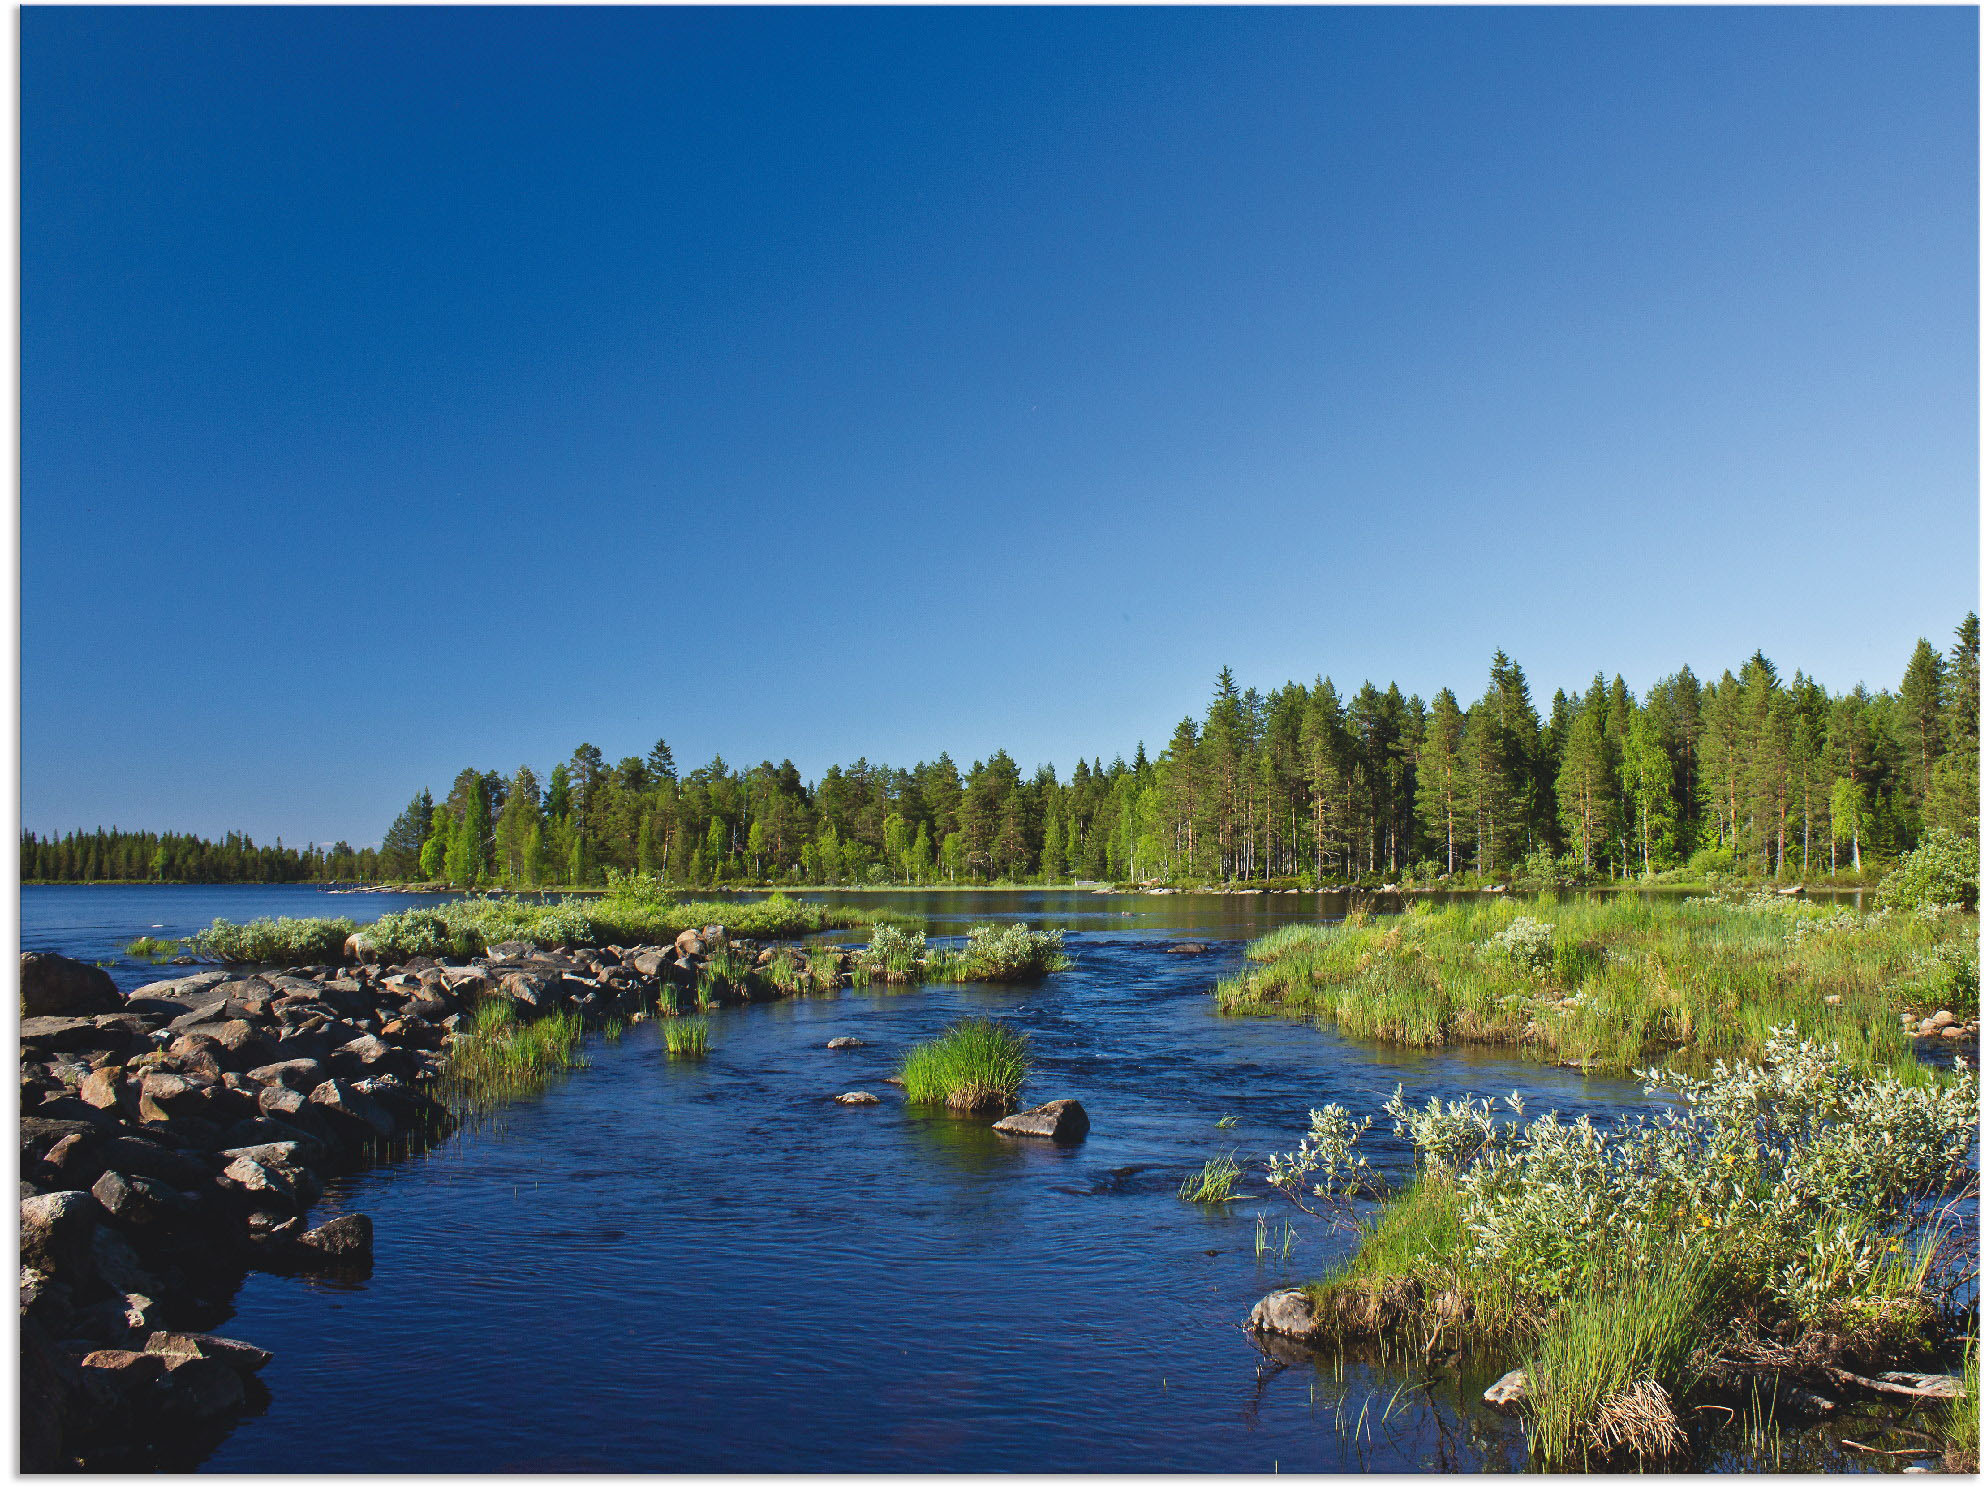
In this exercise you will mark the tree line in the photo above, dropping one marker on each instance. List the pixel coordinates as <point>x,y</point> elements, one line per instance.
<point>1748,773</point>
<point>181,857</point>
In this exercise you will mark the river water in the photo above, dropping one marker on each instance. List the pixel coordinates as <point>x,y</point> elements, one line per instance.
<point>670,1266</point>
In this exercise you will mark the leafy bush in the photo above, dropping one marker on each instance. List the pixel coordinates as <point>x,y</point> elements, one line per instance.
<point>291,942</point>
<point>975,1065</point>
<point>994,953</point>
<point>1943,870</point>
<point>893,955</point>
<point>1526,942</point>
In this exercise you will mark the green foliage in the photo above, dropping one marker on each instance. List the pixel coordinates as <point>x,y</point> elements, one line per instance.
<point>290,942</point>
<point>1943,870</point>
<point>1000,953</point>
<point>975,1065</point>
<point>893,955</point>
<point>1213,1183</point>
<point>1960,1420</point>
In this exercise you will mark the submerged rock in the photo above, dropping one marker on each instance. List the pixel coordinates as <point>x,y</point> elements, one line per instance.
<point>1056,1121</point>
<point>858,1098</point>
<point>847,1041</point>
<point>1185,948</point>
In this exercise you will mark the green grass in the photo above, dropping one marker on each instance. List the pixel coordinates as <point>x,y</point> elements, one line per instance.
<point>1960,1420</point>
<point>975,1065</point>
<point>1212,1184</point>
<point>1609,1367</point>
<point>504,1058</point>
<point>291,942</point>
<point>687,1038</point>
<point>152,948</point>
<point>1626,980</point>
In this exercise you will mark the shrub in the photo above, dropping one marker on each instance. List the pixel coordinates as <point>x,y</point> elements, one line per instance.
<point>994,953</point>
<point>975,1065</point>
<point>293,942</point>
<point>1943,870</point>
<point>1526,942</point>
<point>893,955</point>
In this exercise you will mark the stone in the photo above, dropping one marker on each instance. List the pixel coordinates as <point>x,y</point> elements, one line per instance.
<point>1508,1392</point>
<point>163,1096</point>
<point>1942,1018</point>
<point>353,1109</point>
<point>202,1388</point>
<point>689,943</point>
<point>137,1203</point>
<point>208,1346</point>
<point>54,986</point>
<point>858,1098</point>
<point>1185,948</point>
<point>102,1088</point>
<point>300,1075</point>
<point>135,1154</point>
<point>56,1232</point>
<point>1287,1313</point>
<point>1941,1386</point>
<point>76,1161</point>
<point>117,1265</point>
<point>346,1240</point>
<point>45,1390</point>
<point>1056,1121</point>
<point>43,1036</point>
<point>1952,1033</point>
<point>532,988</point>
<point>847,1041</point>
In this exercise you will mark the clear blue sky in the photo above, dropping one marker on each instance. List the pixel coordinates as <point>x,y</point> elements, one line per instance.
<point>403,389</point>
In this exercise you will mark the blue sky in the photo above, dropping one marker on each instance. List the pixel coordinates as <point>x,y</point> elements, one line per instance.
<point>406,389</point>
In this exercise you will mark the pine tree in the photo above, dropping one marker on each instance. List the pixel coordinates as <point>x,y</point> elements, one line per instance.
<point>1923,730</point>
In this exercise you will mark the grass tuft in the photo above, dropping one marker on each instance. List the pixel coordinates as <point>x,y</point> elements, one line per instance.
<point>687,1038</point>
<point>1212,1184</point>
<point>975,1065</point>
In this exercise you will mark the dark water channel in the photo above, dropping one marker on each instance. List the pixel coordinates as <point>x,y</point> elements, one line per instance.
<point>670,1266</point>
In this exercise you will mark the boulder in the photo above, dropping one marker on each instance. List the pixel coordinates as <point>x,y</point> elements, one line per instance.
<point>512,950</point>
<point>1185,948</point>
<point>858,1098</point>
<point>138,1203</point>
<point>300,1075</point>
<point>76,1161</point>
<point>1288,1313</point>
<point>208,1346</point>
<point>1056,1121</point>
<point>43,1036</point>
<point>352,1110</point>
<point>1508,1392</point>
<point>689,943</point>
<point>56,1232</point>
<point>102,1088</point>
<point>54,986</point>
<point>344,1241</point>
<point>847,1041</point>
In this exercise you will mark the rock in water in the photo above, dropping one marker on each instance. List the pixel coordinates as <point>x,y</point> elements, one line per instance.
<point>53,986</point>
<point>346,1240</point>
<point>1185,948</point>
<point>1288,1312</point>
<point>1057,1121</point>
<point>1508,1392</point>
<point>858,1098</point>
<point>846,1041</point>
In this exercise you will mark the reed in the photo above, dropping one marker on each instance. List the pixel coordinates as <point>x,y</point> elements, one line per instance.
<point>1213,1183</point>
<point>687,1038</point>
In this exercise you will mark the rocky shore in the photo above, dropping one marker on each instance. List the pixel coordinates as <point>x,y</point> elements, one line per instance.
<point>174,1140</point>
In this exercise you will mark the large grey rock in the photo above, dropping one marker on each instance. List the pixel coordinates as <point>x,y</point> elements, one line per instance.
<point>847,1041</point>
<point>54,986</point>
<point>1056,1121</point>
<point>346,1240</point>
<point>161,1096</point>
<point>1288,1313</point>
<point>858,1098</point>
<point>356,1111</point>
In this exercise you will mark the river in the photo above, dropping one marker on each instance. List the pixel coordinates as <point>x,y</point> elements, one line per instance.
<point>671,1266</point>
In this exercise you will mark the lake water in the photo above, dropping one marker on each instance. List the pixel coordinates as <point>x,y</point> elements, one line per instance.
<point>672,1266</point>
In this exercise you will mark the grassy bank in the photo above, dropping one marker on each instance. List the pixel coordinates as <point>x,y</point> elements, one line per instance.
<point>1790,1216</point>
<point>635,915</point>
<point>1615,982</point>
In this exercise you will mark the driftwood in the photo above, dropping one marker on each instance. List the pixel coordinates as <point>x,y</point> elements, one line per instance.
<point>1931,1386</point>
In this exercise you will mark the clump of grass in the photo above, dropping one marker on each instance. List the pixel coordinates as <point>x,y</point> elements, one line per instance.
<point>1960,1420</point>
<point>503,1057</point>
<point>688,1038</point>
<point>293,942</point>
<point>1212,1184</point>
<point>153,948</point>
<point>975,1065</point>
<point>1622,1348</point>
<point>667,1002</point>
